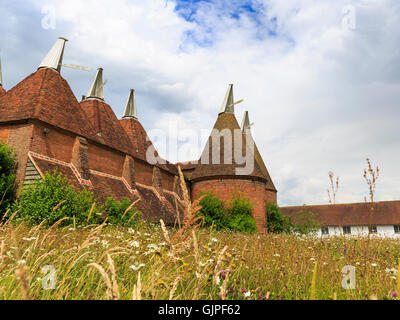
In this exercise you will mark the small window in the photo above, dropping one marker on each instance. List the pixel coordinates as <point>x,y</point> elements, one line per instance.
<point>373,229</point>
<point>347,230</point>
<point>325,230</point>
<point>397,228</point>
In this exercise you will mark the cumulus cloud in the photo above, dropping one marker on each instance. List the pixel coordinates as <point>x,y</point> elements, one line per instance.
<point>323,96</point>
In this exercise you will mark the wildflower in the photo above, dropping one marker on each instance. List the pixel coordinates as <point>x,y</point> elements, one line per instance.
<point>198,275</point>
<point>217,280</point>
<point>374,264</point>
<point>391,271</point>
<point>134,244</point>
<point>21,262</point>
<point>394,294</point>
<point>130,230</point>
<point>277,255</point>
<point>247,294</point>
<point>135,268</point>
<point>105,243</point>
<point>214,239</point>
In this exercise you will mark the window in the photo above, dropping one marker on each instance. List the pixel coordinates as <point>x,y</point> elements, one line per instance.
<point>373,229</point>
<point>397,228</point>
<point>347,230</point>
<point>325,230</point>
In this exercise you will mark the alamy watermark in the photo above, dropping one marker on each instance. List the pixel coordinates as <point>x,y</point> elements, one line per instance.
<point>49,20</point>
<point>349,19</point>
<point>227,146</point>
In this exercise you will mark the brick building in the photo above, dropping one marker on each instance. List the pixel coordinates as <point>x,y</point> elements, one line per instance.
<point>50,129</point>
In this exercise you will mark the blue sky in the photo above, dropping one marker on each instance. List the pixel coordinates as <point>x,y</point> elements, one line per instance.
<point>321,79</point>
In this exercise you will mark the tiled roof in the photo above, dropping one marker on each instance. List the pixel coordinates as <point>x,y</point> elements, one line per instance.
<point>351,214</point>
<point>225,121</point>
<point>46,96</point>
<point>141,142</point>
<point>106,125</point>
<point>2,91</point>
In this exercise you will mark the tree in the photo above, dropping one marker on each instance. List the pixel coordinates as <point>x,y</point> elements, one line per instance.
<point>276,222</point>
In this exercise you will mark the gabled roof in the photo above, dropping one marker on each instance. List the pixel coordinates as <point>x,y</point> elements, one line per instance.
<point>350,214</point>
<point>108,129</point>
<point>46,96</point>
<point>224,121</point>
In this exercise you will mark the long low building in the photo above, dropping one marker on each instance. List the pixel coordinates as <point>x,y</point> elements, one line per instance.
<point>380,218</point>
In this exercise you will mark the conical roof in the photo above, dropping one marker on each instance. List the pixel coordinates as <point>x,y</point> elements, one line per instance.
<point>206,168</point>
<point>46,96</point>
<point>257,156</point>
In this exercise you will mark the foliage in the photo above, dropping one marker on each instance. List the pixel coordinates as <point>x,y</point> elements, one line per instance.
<point>213,211</point>
<point>8,169</point>
<point>121,212</point>
<point>305,222</point>
<point>276,222</point>
<point>240,214</point>
<point>51,199</point>
<point>236,216</point>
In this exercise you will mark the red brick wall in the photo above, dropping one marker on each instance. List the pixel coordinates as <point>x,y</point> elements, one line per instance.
<point>167,180</point>
<point>225,188</point>
<point>54,144</point>
<point>19,137</point>
<point>271,196</point>
<point>103,160</point>
<point>143,172</point>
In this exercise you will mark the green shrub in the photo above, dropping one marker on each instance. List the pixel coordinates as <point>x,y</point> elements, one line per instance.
<point>117,212</point>
<point>213,211</point>
<point>276,222</point>
<point>8,169</point>
<point>240,214</point>
<point>37,202</point>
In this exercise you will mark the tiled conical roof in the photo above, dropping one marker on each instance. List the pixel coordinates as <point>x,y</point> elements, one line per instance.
<point>141,142</point>
<point>257,156</point>
<point>106,125</point>
<point>225,121</point>
<point>46,96</point>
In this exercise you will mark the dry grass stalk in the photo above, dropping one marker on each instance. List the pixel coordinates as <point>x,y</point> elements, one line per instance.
<point>129,208</point>
<point>109,292</point>
<point>137,288</point>
<point>174,287</point>
<point>219,261</point>
<point>21,274</point>
<point>314,281</point>
<point>188,203</point>
<point>115,289</point>
<point>59,205</point>
<point>398,279</point>
<point>91,211</point>
<point>334,188</point>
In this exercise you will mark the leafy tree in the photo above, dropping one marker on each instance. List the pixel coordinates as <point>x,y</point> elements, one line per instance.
<point>305,221</point>
<point>276,222</point>
<point>8,169</point>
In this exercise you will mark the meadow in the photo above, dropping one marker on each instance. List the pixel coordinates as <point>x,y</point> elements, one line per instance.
<point>155,262</point>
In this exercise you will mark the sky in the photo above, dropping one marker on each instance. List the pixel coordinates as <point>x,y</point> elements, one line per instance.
<point>320,79</point>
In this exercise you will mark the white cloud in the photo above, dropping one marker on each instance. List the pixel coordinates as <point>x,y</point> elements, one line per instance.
<point>322,98</point>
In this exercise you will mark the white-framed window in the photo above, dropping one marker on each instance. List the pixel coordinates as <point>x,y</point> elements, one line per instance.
<point>324,230</point>
<point>347,230</point>
<point>397,228</point>
<point>373,229</point>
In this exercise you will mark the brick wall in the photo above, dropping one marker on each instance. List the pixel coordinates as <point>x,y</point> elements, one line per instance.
<point>19,137</point>
<point>52,142</point>
<point>104,160</point>
<point>225,188</point>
